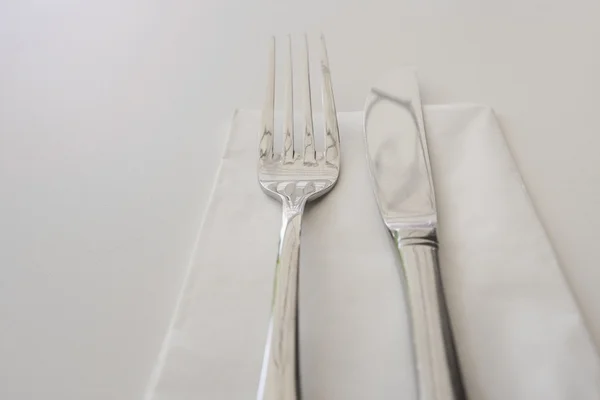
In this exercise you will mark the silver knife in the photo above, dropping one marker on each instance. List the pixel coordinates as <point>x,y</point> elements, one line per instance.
<point>401,176</point>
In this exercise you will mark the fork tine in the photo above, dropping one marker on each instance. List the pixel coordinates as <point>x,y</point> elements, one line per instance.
<point>309,139</point>
<point>288,123</point>
<point>332,134</point>
<point>266,139</point>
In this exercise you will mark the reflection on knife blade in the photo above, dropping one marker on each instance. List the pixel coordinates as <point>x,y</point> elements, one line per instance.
<point>399,166</point>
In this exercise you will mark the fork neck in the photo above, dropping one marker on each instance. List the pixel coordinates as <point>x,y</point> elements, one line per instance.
<point>291,208</point>
<point>294,196</point>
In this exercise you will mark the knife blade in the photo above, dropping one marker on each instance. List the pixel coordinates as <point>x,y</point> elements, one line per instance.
<point>402,182</point>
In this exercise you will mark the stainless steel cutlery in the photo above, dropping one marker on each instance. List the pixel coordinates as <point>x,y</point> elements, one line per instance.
<point>294,178</point>
<point>402,182</point>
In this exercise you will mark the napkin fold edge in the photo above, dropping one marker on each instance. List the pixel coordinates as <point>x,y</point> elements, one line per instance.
<point>161,357</point>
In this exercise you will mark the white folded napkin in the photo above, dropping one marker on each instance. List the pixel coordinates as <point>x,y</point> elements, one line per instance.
<point>519,333</point>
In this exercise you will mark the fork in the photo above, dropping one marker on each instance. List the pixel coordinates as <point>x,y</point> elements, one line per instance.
<point>294,179</point>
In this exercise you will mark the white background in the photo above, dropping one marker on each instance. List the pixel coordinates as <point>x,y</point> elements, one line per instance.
<point>108,114</point>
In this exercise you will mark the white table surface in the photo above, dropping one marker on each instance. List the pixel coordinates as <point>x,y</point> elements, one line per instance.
<point>108,114</point>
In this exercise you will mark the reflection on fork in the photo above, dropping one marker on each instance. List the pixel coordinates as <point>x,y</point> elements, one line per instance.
<point>294,179</point>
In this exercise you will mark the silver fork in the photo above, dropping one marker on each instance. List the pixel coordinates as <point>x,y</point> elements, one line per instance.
<point>294,179</point>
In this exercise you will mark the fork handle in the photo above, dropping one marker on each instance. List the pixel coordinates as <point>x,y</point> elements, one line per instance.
<point>279,377</point>
<point>438,375</point>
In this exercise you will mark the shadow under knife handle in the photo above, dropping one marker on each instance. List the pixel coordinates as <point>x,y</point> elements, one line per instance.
<point>437,370</point>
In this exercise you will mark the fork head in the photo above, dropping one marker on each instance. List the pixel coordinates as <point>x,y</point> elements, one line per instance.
<point>298,177</point>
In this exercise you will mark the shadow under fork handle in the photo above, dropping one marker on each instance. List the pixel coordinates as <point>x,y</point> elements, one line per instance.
<point>437,369</point>
<point>279,377</point>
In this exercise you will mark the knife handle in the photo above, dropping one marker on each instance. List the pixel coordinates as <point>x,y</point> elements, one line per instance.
<point>437,369</point>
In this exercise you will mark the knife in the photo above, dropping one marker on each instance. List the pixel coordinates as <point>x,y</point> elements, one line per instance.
<point>401,176</point>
